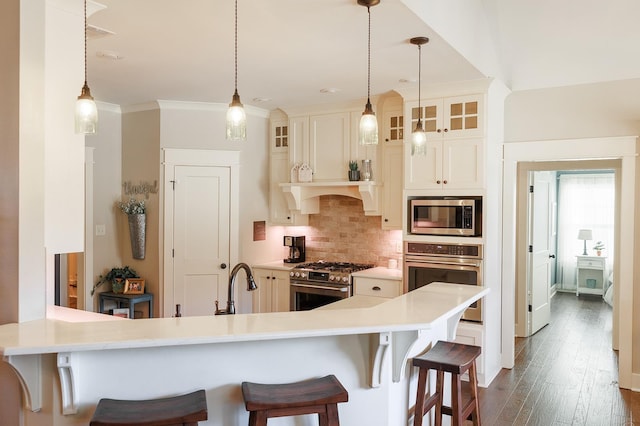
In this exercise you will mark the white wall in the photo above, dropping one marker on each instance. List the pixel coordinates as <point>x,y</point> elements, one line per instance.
<point>107,188</point>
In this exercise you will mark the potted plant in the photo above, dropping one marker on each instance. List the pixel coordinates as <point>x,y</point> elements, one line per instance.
<point>354,173</point>
<point>117,277</point>
<point>136,214</point>
<point>599,247</point>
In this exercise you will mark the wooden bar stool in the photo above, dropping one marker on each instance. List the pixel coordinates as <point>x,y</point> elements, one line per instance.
<point>183,410</point>
<point>457,359</point>
<point>320,396</point>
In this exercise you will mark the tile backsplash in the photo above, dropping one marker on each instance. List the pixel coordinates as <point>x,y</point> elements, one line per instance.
<point>341,232</point>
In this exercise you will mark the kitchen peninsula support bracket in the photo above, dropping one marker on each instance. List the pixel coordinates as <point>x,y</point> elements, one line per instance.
<point>67,383</point>
<point>379,344</point>
<point>303,197</point>
<point>28,368</point>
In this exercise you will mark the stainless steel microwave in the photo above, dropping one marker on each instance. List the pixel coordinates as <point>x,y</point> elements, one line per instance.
<point>446,216</point>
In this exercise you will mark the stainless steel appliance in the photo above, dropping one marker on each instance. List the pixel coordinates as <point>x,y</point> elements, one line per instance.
<point>296,249</point>
<point>425,263</point>
<point>316,284</point>
<point>460,216</point>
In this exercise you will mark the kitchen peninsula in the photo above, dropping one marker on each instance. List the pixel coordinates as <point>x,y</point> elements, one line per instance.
<point>365,341</point>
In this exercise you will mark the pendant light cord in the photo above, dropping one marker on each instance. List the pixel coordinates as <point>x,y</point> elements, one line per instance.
<point>236,48</point>
<point>85,42</point>
<point>419,81</point>
<point>369,58</point>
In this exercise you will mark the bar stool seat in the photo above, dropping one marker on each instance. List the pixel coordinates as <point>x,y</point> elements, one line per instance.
<point>321,396</point>
<point>182,410</point>
<point>456,359</point>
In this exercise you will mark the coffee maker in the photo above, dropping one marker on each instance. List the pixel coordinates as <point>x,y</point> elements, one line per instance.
<point>296,249</point>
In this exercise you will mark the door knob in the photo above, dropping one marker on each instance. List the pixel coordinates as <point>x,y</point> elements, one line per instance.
<point>223,266</point>
<point>552,256</point>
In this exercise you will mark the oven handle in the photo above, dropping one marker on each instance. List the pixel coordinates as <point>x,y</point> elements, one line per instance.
<point>340,289</point>
<point>440,261</point>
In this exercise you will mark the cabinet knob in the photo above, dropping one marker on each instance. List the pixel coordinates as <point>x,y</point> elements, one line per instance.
<point>444,181</point>
<point>438,182</point>
<point>223,266</point>
<point>446,130</point>
<point>439,130</point>
<point>386,220</point>
<point>288,217</point>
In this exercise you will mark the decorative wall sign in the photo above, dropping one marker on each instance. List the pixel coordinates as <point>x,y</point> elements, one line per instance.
<point>144,188</point>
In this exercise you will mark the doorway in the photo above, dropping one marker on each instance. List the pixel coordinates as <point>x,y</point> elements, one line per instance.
<point>618,153</point>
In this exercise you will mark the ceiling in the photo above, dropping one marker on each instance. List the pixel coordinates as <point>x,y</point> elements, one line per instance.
<point>294,53</point>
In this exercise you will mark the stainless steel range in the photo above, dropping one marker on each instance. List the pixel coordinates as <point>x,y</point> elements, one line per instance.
<point>316,284</point>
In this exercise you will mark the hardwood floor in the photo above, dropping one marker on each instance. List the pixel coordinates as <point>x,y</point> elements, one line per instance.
<point>566,374</point>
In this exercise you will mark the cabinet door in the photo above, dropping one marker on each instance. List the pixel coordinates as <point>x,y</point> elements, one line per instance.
<point>392,189</point>
<point>279,213</point>
<point>279,136</point>
<point>423,171</point>
<point>298,141</point>
<point>329,146</point>
<point>464,116</point>
<point>462,163</point>
<point>261,297</point>
<point>280,298</point>
<point>430,111</point>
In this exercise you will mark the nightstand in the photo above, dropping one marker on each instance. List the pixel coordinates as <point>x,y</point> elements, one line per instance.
<point>590,274</point>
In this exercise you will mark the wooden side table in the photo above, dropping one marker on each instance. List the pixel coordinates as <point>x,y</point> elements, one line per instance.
<point>129,299</point>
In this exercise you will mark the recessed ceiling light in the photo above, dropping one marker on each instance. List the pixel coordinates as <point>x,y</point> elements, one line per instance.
<point>260,99</point>
<point>329,90</point>
<point>109,55</point>
<point>408,80</point>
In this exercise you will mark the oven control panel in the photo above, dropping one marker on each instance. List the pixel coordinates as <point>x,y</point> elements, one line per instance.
<point>434,249</point>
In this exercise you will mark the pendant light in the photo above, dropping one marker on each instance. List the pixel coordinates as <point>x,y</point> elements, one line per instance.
<point>368,122</point>
<point>236,117</point>
<point>419,136</point>
<point>86,116</point>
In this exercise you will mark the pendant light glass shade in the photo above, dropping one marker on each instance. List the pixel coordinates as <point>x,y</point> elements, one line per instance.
<point>368,122</point>
<point>419,136</point>
<point>86,114</point>
<point>236,117</point>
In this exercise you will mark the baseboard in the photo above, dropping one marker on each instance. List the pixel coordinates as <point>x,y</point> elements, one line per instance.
<point>554,289</point>
<point>635,382</point>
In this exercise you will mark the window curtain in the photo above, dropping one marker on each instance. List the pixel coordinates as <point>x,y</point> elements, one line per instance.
<point>585,201</point>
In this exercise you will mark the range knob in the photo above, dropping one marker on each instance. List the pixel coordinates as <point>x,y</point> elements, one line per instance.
<point>345,279</point>
<point>303,275</point>
<point>292,274</point>
<point>331,278</point>
<point>297,274</point>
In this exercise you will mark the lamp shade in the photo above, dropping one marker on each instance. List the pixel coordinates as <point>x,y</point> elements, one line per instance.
<point>585,234</point>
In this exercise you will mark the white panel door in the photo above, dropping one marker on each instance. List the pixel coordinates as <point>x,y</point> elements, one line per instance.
<point>539,270</point>
<point>201,238</point>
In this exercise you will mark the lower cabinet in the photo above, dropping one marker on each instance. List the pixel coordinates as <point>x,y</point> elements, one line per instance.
<point>472,334</point>
<point>379,287</point>
<point>272,294</point>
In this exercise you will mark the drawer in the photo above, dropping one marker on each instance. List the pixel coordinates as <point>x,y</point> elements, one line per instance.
<point>377,287</point>
<point>593,264</point>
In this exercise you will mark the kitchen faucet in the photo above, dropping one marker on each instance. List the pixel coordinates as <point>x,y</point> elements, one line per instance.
<point>251,285</point>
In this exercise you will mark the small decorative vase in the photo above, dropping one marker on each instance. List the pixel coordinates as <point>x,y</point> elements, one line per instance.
<point>354,175</point>
<point>598,252</point>
<point>137,224</point>
<point>117,286</point>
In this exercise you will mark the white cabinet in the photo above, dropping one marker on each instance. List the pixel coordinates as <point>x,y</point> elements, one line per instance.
<point>392,139</point>
<point>455,144</point>
<point>329,146</point>
<point>280,172</point>
<point>473,334</point>
<point>272,294</point>
<point>590,274</point>
<point>377,287</point>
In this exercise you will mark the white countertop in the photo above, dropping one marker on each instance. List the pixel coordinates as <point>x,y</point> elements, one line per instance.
<point>379,272</point>
<point>415,310</point>
<point>276,264</point>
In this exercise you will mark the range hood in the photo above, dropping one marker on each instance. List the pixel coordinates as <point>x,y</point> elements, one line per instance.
<point>304,197</point>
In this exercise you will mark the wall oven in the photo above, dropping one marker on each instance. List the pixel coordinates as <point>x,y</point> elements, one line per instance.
<point>460,216</point>
<point>425,263</point>
<point>317,284</point>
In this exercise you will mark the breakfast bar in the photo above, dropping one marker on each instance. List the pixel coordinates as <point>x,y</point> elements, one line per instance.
<point>366,342</point>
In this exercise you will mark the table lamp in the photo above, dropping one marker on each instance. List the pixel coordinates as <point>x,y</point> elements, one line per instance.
<point>585,234</point>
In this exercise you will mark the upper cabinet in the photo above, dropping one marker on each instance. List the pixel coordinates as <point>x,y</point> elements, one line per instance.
<point>280,172</point>
<point>392,139</point>
<point>455,144</point>
<point>329,146</point>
